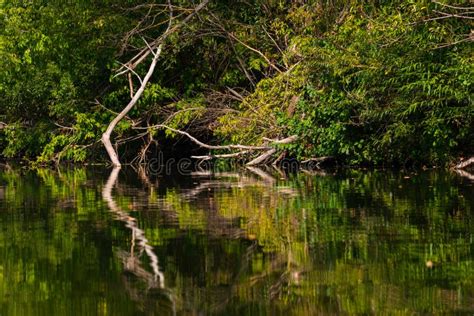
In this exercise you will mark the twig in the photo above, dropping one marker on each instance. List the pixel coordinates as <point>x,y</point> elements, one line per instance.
<point>195,140</point>
<point>232,155</point>
<point>452,6</point>
<point>143,53</point>
<point>256,51</point>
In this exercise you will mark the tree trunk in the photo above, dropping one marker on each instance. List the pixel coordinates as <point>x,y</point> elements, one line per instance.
<point>106,136</point>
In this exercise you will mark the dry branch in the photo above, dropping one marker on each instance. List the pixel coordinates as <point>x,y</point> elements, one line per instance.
<point>465,163</point>
<point>201,144</point>
<point>155,49</point>
<point>138,58</point>
<point>465,174</point>
<point>262,158</point>
<point>243,149</point>
<point>232,155</point>
<point>106,136</point>
<point>452,6</point>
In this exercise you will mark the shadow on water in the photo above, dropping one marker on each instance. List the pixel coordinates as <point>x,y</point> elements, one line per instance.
<point>248,241</point>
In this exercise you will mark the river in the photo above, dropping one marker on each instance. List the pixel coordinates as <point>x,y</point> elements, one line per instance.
<point>235,242</point>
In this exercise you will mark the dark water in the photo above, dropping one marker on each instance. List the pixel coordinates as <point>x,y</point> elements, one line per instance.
<point>245,242</point>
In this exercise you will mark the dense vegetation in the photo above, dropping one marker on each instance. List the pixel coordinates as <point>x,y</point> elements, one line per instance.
<point>365,81</point>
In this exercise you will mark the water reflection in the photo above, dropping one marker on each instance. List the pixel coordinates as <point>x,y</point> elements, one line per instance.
<point>250,241</point>
<point>131,262</point>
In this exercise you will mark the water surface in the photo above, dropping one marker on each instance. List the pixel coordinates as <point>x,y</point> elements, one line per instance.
<point>245,242</point>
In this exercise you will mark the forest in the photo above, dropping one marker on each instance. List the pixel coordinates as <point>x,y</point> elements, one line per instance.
<point>365,82</point>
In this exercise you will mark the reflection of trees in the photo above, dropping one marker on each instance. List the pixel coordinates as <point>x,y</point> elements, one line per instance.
<point>335,234</point>
<point>355,242</point>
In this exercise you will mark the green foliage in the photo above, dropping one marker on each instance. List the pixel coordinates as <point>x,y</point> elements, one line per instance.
<point>52,61</point>
<point>384,90</point>
<point>376,83</point>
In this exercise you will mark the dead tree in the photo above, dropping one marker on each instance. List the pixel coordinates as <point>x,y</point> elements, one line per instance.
<point>155,48</point>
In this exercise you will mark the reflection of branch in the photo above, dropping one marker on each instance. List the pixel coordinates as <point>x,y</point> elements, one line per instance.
<point>137,233</point>
<point>465,174</point>
<point>216,174</point>
<point>262,174</point>
<point>314,172</point>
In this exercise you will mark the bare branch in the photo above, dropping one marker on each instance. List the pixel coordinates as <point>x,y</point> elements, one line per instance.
<point>233,155</point>
<point>131,70</point>
<point>465,163</point>
<point>138,58</point>
<point>130,84</point>
<point>287,140</point>
<point>318,159</point>
<point>201,144</point>
<point>57,124</point>
<point>106,136</point>
<point>464,15</point>
<point>256,51</point>
<point>262,158</point>
<point>452,6</point>
<point>465,174</point>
